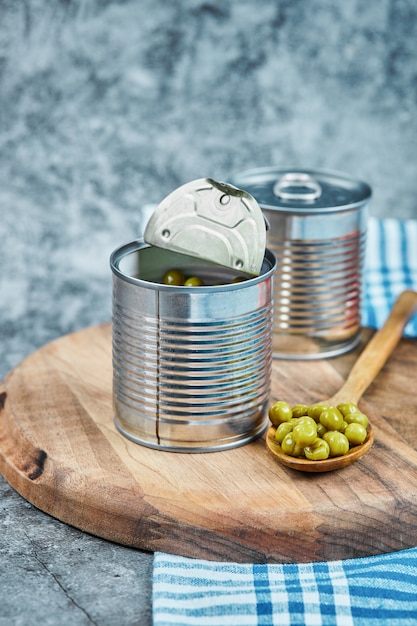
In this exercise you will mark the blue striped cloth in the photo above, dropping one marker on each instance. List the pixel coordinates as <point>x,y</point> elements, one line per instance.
<point>359,592</point>
<point>368,591</point>
<point>390,267</point>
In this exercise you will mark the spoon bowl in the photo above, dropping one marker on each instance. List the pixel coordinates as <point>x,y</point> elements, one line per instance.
<point>326,465</point>
<point>362,374</point>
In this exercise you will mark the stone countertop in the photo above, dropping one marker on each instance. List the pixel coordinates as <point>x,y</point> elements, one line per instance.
<point>106,108</point>
<point>56,575</point>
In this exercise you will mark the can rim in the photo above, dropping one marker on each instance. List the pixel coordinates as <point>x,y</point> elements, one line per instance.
<point>138,244</point>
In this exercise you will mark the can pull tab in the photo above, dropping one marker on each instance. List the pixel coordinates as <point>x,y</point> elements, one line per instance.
<point>211,221</point>
<point>289,187</point>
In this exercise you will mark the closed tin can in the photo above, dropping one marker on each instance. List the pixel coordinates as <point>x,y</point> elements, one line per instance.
<point>191,365</point>
<point>317,231</point>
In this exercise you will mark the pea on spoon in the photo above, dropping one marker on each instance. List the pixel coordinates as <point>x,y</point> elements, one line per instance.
<point>362,374</point>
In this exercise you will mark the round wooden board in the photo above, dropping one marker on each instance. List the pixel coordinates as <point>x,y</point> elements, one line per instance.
<point>60,450</point>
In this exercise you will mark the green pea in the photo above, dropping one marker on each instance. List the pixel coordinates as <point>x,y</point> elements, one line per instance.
<point>299,410</point>
<point>357,418</point>
<point>338,443</point>
<point>193,281</point>
<point>315,410</point>
<point>291,447</point>
<point>321,430</point>
<point>173,277</point>
<point>347,407</point>
<point>283,429</point>
<point>331,419</point>
<point>305,433</point>
<point>355,433</point>
<point>319,450</point>
<point>306,419</point>
<point>280,412</point>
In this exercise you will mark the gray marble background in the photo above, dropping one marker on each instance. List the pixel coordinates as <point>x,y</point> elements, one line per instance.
<point>108,106</point>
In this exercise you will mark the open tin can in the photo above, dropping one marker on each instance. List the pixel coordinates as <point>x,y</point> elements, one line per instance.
<point>191,365</point>
<point>317,231</point>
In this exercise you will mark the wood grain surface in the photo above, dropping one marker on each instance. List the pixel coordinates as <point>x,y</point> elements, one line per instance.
<point>60,450</point>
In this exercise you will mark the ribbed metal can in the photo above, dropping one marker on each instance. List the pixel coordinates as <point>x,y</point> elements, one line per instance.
<point>191,365</point>
<point>317,231</point>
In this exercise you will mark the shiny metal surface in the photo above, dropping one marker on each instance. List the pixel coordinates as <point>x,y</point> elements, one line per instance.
<point>212,221</point>
<point>191,365</point>
<point>286,187</point>
<point>317,232</point>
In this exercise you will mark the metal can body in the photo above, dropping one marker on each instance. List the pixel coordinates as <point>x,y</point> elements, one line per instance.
<point>191,365</point>
<point>317,231</point>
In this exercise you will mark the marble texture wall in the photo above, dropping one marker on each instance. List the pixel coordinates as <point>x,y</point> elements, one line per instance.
<point>107,106</point>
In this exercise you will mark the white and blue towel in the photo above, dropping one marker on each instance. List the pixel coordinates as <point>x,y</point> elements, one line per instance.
<point>373,591</point>
<point>369,591</point>
<point>390,267</point>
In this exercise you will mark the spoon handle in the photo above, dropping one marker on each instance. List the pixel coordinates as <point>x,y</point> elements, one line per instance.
<point>376,353</point>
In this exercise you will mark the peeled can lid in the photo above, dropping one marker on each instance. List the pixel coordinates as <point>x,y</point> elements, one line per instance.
<point>213,221</point>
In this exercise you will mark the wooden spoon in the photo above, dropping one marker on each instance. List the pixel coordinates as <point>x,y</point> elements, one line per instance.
<point>362,374</point>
